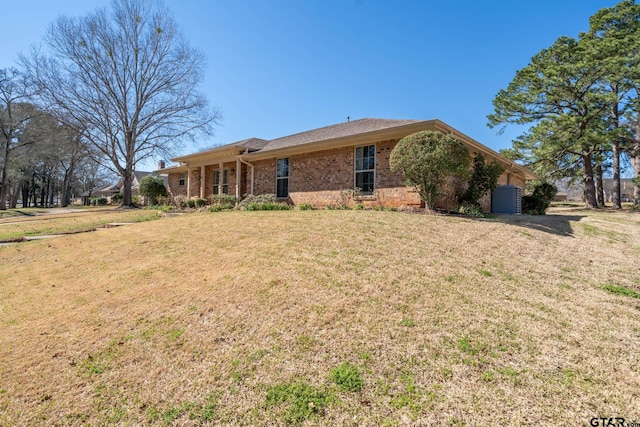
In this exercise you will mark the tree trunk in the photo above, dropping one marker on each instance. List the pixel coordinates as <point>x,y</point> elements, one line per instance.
<point>3,178</point>
<point>43,189</point>
<point>127,200</point>
<point>25,193</point>
<point>66,188</point>
<point>636,183</point>
<point>616,196</point>
<point>14,195</point>
<point>587,176</point>
<point>52,192</point>
<point>615,115</point>
<point>599,185</point>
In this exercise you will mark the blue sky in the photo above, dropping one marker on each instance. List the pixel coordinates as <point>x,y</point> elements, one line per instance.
<point>279,67</point>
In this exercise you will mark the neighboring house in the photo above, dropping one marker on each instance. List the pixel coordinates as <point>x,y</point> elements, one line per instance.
<point>315,166</point>
<point>112,189</point>
<point>626,189</point>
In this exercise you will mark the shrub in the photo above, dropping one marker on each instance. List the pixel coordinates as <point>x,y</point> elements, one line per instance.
<point>471,209</point>
<point>263,202</point>
<point>200,202</point>
<point>262,198</point>
<point>484,178</point>
<point>117,198</point>
<point>191,203</point>
<point>163,200</point>
<point>151,187</point>
<point>427,159</point>
<point>98,201</point>
<point>180,201</point>
<point>267,206</point>
<point>538,202</point>
<point>221,202</point>
<point>347,376</point>
<point>358,207</point>
<point>346,196</point>
<point>305,207</point>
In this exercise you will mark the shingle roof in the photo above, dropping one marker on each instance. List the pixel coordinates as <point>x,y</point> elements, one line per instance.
<point>250,144</point>
<point>340,130</point>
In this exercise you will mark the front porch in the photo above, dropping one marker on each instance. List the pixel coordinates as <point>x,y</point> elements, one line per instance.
<point>226,176</point>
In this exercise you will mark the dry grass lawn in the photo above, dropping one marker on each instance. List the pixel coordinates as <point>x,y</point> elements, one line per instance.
<point>243,318</point>
<point>18,223</point>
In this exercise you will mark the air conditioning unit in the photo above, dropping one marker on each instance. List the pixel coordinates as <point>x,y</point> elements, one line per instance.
<point>507,199</point>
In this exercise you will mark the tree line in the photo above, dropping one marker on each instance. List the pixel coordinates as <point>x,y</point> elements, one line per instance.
<point>580,97</point>
<point>105,91</point>
<point>43,162</point>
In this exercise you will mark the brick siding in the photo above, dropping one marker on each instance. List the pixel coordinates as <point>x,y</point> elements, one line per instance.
<point>318,177</point>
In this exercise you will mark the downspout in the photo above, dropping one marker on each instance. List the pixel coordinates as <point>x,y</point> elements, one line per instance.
<point>252,171</point>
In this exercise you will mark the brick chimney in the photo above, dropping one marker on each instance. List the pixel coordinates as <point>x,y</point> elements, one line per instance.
<point>161,164</point>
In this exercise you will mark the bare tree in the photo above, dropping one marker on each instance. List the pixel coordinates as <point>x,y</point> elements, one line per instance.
<point>15,113</point>
<point>127,80</point>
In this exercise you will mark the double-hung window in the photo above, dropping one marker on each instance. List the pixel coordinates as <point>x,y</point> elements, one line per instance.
<point>225,182</point>
<point>181,178</point>
<point>365,168</point>
<point>282,178</point>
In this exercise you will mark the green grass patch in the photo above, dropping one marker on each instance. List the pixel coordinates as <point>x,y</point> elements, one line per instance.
<point>347,376</point>
<point>621,290</point>
<point>301,401</point>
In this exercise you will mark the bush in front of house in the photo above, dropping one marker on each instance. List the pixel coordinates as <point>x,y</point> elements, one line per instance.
<point>263,202</point>
<point>538,202</point>
<point>427,159</point>
<point>484,178</point>
<point>262,198</point>
<point>267,206</point>
<point>116,199</point>
<point>221,202</point>
<point>151,187</point>
<point>98,201</point>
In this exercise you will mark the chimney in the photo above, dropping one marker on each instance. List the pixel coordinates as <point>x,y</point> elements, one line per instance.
<point>161,164</point>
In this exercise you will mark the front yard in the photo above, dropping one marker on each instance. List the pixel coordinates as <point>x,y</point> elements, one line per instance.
<point>325,317</point>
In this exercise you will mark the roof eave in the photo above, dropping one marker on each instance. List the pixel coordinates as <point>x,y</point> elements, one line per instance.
<point>343,141</point>
<point>506,163</point>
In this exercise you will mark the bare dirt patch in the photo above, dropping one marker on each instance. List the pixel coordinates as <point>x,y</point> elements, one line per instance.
<point>228,318</point>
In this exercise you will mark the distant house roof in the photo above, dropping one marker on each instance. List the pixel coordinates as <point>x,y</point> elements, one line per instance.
<point>135,183</point>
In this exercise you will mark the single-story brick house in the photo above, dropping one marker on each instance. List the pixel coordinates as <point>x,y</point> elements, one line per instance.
<point>315,166</point>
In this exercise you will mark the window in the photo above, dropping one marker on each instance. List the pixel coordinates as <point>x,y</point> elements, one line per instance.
<point>365,168</point>
<point>181,179</point>
<point>225,182</point>
<point>282,178</point>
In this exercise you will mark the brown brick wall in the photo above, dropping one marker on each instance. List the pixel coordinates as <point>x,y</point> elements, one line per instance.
<point>318,177</point>
<point>175,188</point>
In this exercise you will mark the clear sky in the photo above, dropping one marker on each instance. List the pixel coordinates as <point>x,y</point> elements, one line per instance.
<point>277,67</point>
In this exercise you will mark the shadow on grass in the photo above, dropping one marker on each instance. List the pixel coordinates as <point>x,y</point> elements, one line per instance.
<point>552,223</point>
<point>12,213</point>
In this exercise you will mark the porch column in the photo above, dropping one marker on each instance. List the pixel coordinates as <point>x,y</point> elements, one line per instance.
<point>252,179</point>
<point>220,177</point>
<point>202,182</point>
<point>188,182</point>
<point>238,169</point>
